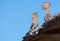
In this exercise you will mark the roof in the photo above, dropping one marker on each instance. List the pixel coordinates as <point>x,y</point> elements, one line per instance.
<point>52,26</point>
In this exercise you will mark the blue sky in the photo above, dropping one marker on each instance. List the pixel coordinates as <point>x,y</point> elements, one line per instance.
<point>15,16</point>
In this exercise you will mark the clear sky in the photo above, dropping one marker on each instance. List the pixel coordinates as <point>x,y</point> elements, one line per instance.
<point>15,16</point>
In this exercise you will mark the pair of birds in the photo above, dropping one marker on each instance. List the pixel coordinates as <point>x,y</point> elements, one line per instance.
<point>47,17</point>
